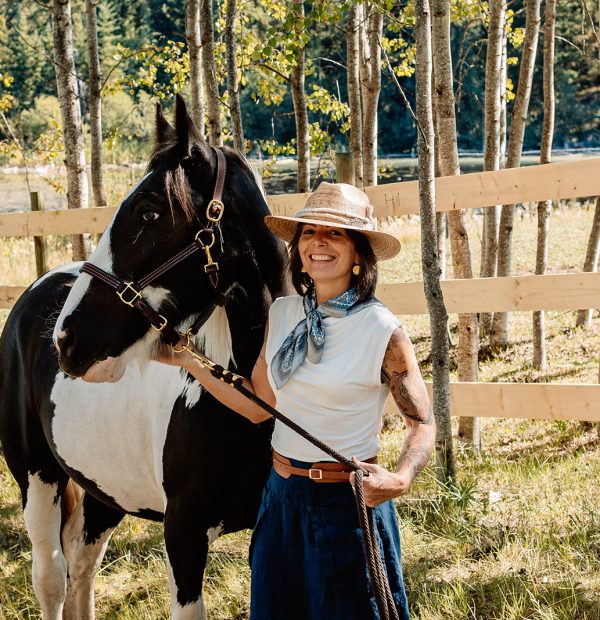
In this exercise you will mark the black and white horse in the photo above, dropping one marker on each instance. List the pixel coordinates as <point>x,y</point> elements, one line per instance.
<point>92,429</point>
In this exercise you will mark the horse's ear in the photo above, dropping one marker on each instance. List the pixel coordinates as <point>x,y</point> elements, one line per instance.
<point>164,131</point>
<point>188,135</point>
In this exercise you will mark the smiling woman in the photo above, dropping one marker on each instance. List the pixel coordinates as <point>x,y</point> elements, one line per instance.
<point>330,357</point>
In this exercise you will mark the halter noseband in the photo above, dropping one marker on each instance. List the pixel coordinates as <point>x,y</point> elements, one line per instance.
<point>130,292</point>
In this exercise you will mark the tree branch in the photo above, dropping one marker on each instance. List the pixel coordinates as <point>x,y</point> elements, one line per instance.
<point>404,99</point>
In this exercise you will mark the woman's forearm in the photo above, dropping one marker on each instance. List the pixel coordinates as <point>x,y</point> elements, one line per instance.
<point>416,451</point>
<point>227,394</point>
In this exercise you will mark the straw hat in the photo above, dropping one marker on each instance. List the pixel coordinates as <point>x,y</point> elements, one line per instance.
<point>343,206</point>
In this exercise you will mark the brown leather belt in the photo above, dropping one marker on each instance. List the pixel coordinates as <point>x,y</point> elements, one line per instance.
<point>318,472</point>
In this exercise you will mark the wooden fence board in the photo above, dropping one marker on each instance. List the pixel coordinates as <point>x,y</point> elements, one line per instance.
<point>566,291</point>
<point>570,291</point>
<point>57,222</point>
<point>571,179</point>
<point>9,296</point>
<point>528,401</point>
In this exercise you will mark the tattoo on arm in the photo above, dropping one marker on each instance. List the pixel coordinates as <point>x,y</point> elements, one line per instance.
<point>415,454</point>
<point>401,374</point>
<point>402,387</point>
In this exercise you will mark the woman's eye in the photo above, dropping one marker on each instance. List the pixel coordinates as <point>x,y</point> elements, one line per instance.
<point>150,216</point>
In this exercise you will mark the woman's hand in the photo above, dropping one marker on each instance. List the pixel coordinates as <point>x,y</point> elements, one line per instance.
<point>166,355</point>
<point>381,484</point>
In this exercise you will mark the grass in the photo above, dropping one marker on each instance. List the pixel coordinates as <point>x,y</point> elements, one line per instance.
<point>518,538</point>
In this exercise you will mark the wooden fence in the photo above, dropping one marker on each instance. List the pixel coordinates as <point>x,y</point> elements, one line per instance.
<point>573,179</point>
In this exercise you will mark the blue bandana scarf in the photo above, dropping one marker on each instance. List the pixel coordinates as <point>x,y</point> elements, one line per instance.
<point>308,337</point>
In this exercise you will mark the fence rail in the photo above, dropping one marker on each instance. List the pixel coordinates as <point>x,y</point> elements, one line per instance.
<point>468,191</point>
<point>527,401</point>
<point>573,179</point>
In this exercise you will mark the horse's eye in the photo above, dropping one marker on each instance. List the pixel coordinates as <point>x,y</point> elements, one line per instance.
<point>150,216</point>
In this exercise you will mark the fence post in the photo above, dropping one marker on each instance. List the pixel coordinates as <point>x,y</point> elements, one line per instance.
<point>344,168</point>
<point>38,242</point>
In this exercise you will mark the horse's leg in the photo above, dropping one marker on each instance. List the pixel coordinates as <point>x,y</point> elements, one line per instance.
<point>85,536</point>
<point>42,515</point>
<point>187,541</point>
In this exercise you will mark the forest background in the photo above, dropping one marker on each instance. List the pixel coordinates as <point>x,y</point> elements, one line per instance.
<point>143,55</point>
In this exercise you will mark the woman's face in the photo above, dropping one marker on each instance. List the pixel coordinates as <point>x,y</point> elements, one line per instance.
<point>327,253</point>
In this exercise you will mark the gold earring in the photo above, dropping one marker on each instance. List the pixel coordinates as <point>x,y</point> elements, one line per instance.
<point>356,269</point>
<point>303,270</point>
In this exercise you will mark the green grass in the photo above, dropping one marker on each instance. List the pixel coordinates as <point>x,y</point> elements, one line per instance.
<point>517,539</point>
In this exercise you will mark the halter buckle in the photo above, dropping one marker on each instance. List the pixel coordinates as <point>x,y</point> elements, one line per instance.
<point>129,287</point>
<point>163,324</point>
<point>217,207</point>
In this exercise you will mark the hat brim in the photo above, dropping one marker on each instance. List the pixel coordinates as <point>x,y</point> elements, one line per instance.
<point>384,245</point>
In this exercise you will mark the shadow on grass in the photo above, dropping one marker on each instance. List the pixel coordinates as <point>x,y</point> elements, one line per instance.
<point>516,596</point>
<point>524,373</point>
<point>552,448</point>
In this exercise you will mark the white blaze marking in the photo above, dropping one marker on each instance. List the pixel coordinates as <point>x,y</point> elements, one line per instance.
<point>101,257</point>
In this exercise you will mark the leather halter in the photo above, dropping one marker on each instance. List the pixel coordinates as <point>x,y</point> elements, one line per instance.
<point>130,292</point>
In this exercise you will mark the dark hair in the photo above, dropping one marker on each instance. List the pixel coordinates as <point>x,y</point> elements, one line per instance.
<point>364,283</point>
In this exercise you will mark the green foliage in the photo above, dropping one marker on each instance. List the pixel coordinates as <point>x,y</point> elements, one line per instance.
<point>143,54</point>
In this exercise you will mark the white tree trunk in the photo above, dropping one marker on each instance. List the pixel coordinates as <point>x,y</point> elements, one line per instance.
<point>194,41</point>
<point>499,334</point>
<point>447,151</point>
<point>544,207</point>
<point>354,93</point>
<point>95,103</point>
<point>445,463</point>
<point>66,81</point>
<point>209,66</point>
<point>584,317</point>
<point>370,68</point>
<point>301,112</point>
<point>237,129</point>
<point>491,148</point>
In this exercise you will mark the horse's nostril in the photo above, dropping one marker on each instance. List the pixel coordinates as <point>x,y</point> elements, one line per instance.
<point>65,341</point>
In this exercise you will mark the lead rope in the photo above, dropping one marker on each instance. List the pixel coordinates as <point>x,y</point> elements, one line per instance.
<point>381,587</point>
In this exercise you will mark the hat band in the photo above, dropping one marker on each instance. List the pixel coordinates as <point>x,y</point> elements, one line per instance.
<point>337,216</point>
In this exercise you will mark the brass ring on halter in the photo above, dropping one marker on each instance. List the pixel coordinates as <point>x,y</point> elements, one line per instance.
<point>205,246</point>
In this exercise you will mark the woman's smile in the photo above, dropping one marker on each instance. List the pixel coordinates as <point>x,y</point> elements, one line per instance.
<point>328,255</point>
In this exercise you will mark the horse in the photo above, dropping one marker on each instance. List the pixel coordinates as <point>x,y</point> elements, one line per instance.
<point>92,428</point>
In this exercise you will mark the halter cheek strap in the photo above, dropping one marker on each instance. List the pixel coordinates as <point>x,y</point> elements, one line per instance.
<point>130,292</point>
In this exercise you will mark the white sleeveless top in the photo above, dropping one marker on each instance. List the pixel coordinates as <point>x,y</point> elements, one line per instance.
<point>340,399</point>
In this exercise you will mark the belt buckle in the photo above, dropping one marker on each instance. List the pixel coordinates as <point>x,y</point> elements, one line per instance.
<point>315,474</point>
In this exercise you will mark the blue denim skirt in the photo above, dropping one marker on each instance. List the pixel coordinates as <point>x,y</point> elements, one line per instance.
<point>307,557</point>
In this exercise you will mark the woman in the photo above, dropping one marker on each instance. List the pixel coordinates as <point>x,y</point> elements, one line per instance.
<point>330,357</point>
